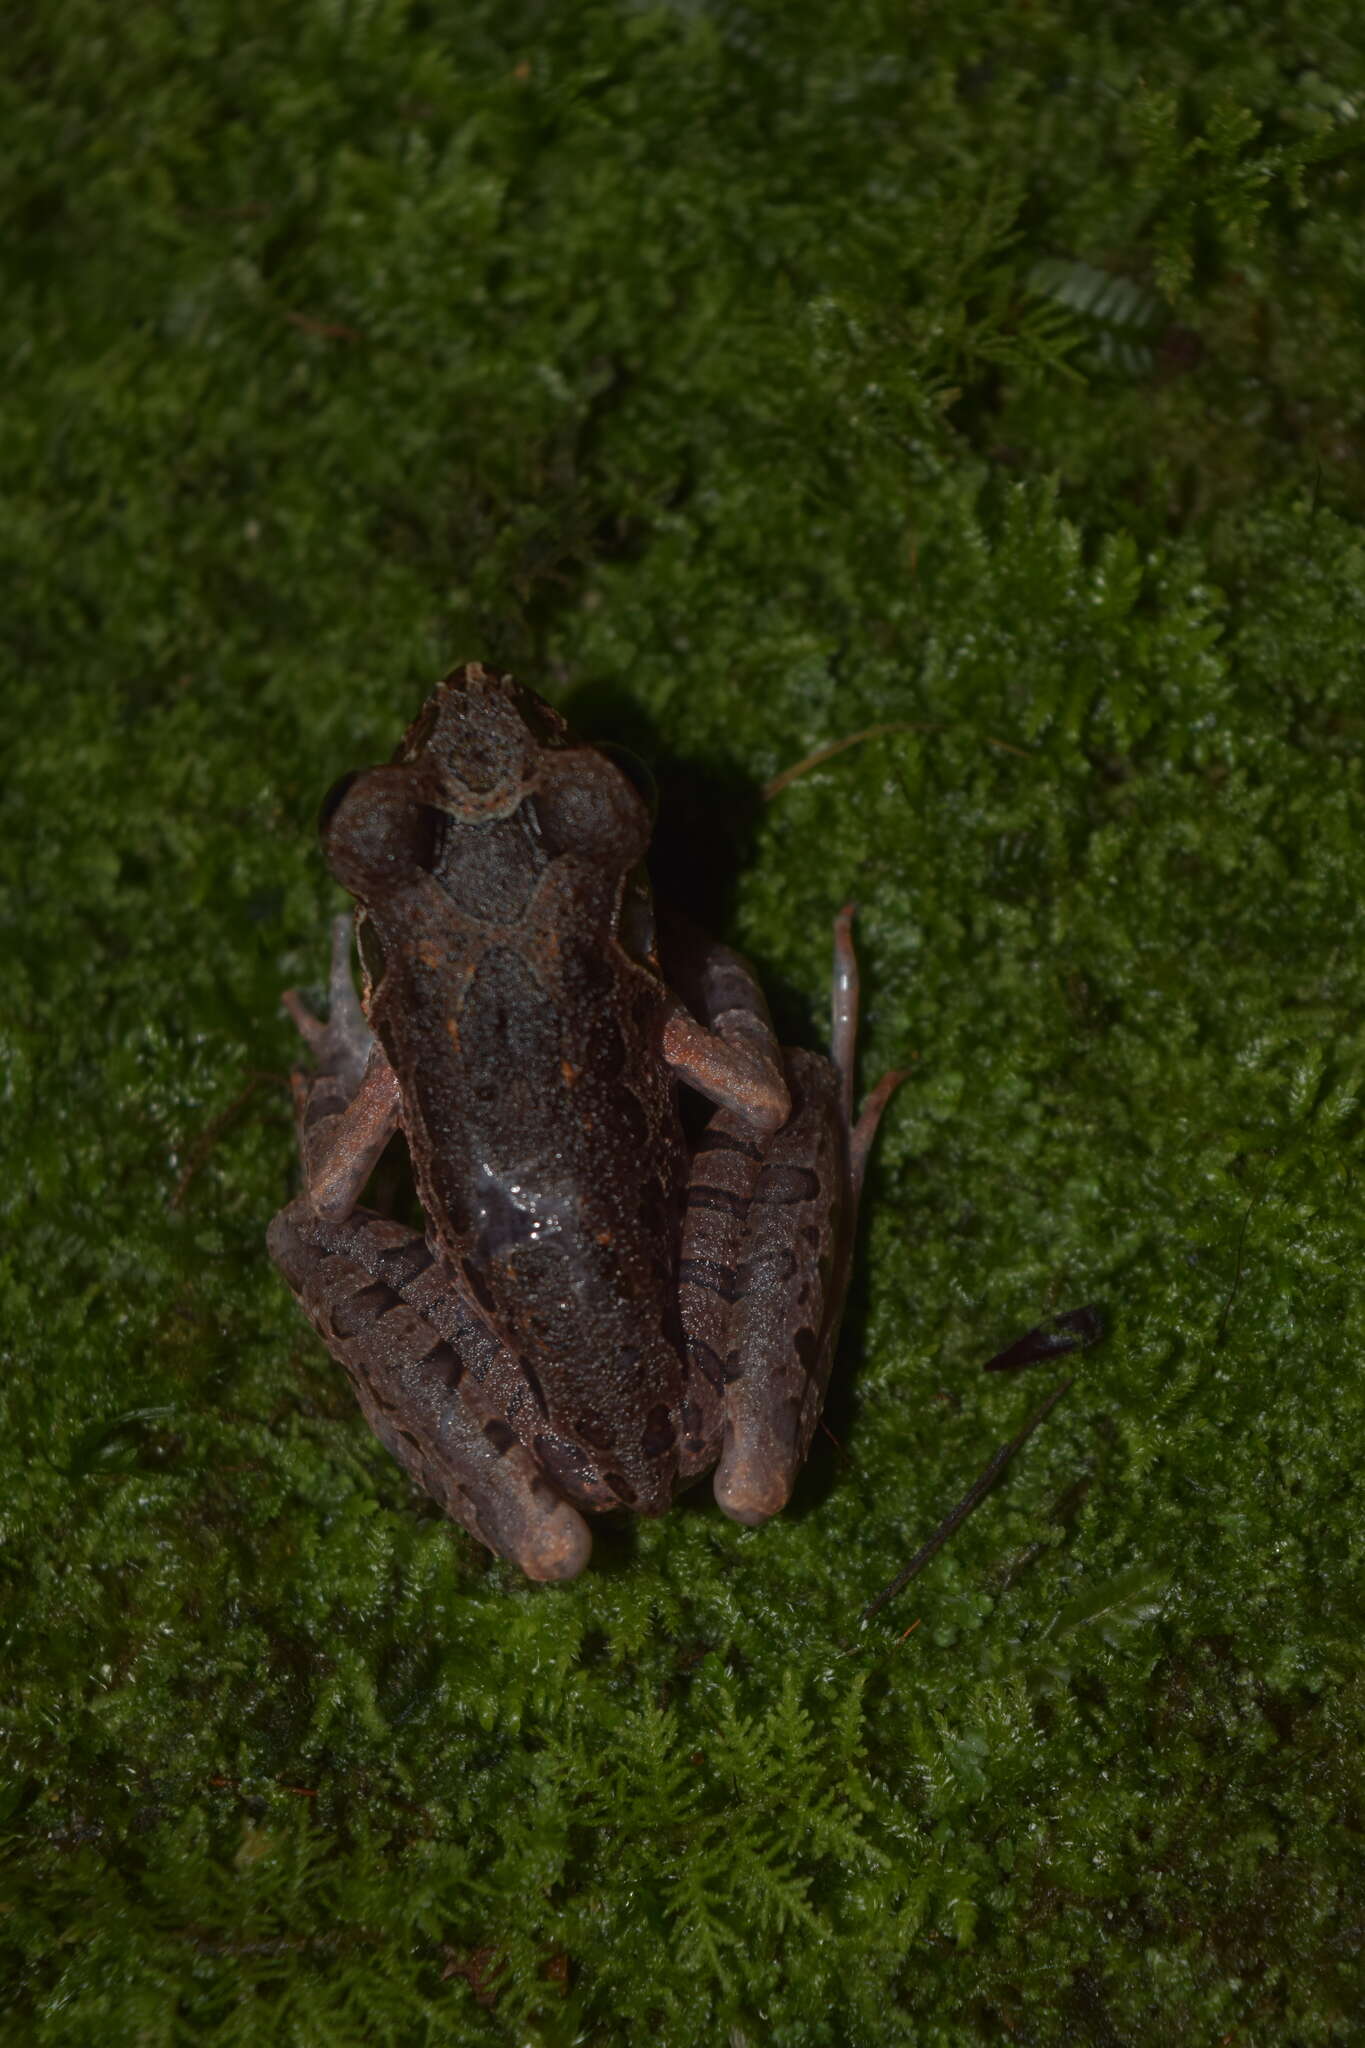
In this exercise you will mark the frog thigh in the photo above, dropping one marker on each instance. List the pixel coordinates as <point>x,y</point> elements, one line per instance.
<point>359,1281</point>
<point>721,989</point>
<point>788,1287</point>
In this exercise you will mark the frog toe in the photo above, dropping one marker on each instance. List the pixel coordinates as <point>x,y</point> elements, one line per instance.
<point>749,1491</point>
<point>557,1548</point>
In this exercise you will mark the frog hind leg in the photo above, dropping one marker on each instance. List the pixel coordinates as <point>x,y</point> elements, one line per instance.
<point>788,1284</point>
<point>789,1270</point>
<point>422,1361</point>
<point>720,988</point>
<point>416,1356</point>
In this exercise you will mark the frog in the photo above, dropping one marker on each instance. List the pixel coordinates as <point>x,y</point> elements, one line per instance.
<point>597,1311</point>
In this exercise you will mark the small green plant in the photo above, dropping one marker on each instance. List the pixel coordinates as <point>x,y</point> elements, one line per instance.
<point>1122,321</point>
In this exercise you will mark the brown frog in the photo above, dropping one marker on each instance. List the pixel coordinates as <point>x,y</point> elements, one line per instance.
<point>593,1317</point>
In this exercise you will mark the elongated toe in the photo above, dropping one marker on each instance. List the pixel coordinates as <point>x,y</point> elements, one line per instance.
<point>558,1549</point>
<point>749,1492</point>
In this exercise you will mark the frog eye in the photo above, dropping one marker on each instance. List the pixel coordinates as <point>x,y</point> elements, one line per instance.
<point>375,834</point>
<point>590,810</point>
<point>636,773</point>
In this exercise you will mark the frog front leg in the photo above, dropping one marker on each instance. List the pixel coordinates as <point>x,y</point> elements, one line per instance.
<point>436,1385</point>
<point>348,1109</point>
<point>766,1246</point>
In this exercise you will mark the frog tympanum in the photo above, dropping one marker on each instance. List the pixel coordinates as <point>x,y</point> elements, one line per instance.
<point>595,1315</point>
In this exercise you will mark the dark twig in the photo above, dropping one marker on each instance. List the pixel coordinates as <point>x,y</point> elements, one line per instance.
<point>1075,1330</point>
<point>209,1137</point>
<point>327,330</point>
<point>1222,1331</point>
<point>827,753</point>
<point>973,1497</point>
<point>871,732</point>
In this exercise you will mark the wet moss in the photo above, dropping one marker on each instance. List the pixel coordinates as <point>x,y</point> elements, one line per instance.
<point>747,387</point>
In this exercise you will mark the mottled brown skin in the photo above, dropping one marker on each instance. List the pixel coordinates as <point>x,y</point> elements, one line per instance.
<point>492,860</point>
<point>576,1328</point>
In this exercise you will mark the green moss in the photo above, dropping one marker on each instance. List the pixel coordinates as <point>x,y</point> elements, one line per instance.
<point>745,386</point>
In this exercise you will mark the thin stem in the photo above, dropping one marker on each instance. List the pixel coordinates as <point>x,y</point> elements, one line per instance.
<point>975,1494</point>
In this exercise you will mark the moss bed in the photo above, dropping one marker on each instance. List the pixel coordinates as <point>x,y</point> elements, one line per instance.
<point>744,377</point>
